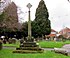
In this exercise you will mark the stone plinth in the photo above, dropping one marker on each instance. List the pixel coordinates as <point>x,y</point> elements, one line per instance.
<point>28,47</point>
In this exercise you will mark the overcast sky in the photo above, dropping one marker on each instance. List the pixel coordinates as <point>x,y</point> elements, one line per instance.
<point>59,12</point>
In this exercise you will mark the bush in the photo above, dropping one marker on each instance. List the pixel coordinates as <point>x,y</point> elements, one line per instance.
<point>0,44</point>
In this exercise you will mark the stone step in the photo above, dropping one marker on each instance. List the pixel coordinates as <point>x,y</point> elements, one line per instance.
<point>28,44</point>
<point>27,51</point>
<point>29,48</point>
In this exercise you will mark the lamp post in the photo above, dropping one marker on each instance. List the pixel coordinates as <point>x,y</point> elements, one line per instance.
<point>29,21</point>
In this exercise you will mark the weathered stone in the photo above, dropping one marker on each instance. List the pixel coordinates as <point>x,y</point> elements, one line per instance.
<point>28,44</point>
<point>28,47</point>
<point>10,41</point>
<point>14,40</point>
<point>62,51</point>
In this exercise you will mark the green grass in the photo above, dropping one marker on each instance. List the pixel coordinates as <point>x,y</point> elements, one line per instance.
<point>7,53</point>
<point>44,44</point>
<point>52,44</point>
<point>13,45</point>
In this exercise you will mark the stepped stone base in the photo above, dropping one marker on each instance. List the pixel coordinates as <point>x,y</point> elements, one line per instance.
<point>28,47</point>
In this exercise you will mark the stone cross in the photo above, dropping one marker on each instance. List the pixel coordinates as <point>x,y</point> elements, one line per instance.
<point>29,21</point>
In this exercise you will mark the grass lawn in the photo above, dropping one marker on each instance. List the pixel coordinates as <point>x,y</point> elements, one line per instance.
<point>7,53</point>
<point>44,44</point>
<point>13,45</point>
<point>52,44</point>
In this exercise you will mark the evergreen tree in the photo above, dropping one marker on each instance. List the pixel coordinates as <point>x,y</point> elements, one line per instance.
<point>41,25</point>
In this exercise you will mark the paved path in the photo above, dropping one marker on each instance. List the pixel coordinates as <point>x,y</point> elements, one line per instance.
<point>66,46</point>
<point>49,49</point>
<point>9,47</point>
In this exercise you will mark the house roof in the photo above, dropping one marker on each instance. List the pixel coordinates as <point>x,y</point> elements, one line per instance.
<point>52,30</point>
<point>65,29</point>
<point>52,35</point>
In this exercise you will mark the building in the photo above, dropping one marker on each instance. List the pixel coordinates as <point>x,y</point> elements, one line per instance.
<point>65,32</point>
<point>53,34</point>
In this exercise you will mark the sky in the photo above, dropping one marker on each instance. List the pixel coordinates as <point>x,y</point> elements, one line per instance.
<point>59,12</point>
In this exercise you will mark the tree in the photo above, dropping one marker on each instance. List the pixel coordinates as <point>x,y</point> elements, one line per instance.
<point>2,17</point>
<point>41,23</point>
<point>25,29</point>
